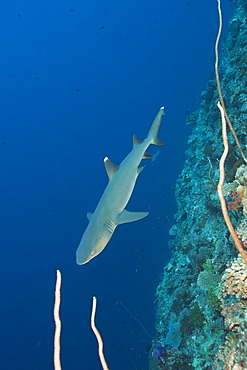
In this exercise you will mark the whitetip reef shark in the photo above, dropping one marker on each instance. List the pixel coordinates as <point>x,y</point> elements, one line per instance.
<point>110,211</point>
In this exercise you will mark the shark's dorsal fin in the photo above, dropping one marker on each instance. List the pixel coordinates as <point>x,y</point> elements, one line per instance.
<point>126,216</point>
<point>89,216</point>
<point>136,141</point>
<point>110,168</point>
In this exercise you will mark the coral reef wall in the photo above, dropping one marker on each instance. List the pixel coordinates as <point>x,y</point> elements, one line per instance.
<point>201,320</point>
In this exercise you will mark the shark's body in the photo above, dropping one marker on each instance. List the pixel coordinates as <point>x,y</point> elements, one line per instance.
<point>111,211</point>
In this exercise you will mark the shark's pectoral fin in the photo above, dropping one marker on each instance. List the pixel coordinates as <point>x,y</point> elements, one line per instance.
<point>110,168</point>
<point>127,216</point>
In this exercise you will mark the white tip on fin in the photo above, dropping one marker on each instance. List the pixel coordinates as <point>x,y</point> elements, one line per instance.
<point>110,168</point>
<point>153,132</point>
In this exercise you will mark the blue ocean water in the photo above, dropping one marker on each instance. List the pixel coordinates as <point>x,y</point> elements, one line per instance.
<point>78,79</point>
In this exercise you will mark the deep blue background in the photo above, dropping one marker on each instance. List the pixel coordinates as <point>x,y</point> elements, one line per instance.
<point>78,79</point>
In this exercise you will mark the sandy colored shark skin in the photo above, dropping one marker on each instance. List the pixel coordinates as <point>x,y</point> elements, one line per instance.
<point>111,211</point>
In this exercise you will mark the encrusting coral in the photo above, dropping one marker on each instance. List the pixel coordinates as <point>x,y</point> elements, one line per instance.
<point>235,279</point>
<point>192,281</point>
<point>232,355</point>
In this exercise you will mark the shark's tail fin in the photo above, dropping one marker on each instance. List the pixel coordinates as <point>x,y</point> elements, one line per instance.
<point>154,130</point>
